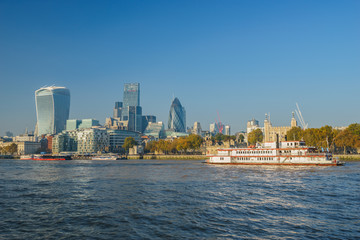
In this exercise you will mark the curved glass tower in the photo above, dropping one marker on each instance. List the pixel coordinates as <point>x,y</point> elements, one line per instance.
<point>177,117</point>
<point>52,109</point>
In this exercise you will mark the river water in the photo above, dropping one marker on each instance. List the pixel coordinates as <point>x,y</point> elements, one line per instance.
<point>151,199</point>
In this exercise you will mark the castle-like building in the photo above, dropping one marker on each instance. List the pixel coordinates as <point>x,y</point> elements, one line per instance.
<point>270,132</point>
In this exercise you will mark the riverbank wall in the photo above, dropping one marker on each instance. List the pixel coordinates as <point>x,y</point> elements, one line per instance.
<point>168,157</point>
<point>352,157</point>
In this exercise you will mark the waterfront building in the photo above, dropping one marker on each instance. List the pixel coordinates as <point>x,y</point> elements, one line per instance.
<point>25,148</point>
<point>52,109</point>
<point>270,132</point>
<point>227,130</point>
<point>117,138</point>
<point>155,130</point>
<point>92,140</point>
<point>177,117</point>
<point>81,141</point>
<point>73,124</point>
<point>65,141</point>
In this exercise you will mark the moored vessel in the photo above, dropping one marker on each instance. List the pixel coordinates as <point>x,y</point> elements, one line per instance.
<point>275,153</point>
<point>45,157</point>
<point>105,157</point>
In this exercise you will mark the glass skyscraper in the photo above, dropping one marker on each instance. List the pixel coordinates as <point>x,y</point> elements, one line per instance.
<point>177,117</point>
<point>131,110</point>
<point>52,109</point>
<point>131,98</point>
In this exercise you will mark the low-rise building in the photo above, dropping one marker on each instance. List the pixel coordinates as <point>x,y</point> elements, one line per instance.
<point>25,148</point>
<point>117,138</point>
<point>92,140</point>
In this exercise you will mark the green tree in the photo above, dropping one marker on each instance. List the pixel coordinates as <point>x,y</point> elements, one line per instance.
<point>294,134</point>
<point>241,138</point>
<point>194,141</point>
<point>11,149</point>
<point>348,138</point>
<point>218,137</point>
<point>129,143</point>
<point>255,136</point>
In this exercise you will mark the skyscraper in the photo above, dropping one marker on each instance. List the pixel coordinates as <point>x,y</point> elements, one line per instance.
<point>52,109</point>
<point>177,117</point>
<point>118,109</point>
<point>131,98</point>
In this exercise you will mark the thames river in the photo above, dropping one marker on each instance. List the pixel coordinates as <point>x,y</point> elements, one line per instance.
<point>152,199</point>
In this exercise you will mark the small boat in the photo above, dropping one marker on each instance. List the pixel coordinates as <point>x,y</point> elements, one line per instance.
<point>105,157</point>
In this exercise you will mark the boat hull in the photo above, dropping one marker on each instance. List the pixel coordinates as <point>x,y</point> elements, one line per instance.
<point>280,164</point>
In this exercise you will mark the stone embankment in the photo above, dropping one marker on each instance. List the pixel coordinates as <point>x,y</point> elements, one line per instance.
<point>169,157</point>
<point>350,157</point>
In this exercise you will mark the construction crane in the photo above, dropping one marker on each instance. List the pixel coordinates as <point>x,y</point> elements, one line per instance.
<point>300,117</point>
<point>219,124</point>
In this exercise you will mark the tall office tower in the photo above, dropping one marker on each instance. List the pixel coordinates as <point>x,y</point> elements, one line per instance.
<point>131,98</point>
<point>135,118</point>
<point>118,109</point>
<point>131,110</point>
<point>52,109</point>
<point>177,117</point>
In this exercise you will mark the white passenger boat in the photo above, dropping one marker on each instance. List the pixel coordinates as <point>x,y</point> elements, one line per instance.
<point>275,153</point>
<point>105,157</point>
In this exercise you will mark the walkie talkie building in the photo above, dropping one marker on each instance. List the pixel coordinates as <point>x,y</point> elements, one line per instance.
<point>52,109</point>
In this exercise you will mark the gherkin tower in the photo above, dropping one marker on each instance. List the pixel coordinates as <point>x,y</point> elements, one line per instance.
<point>177,117</point>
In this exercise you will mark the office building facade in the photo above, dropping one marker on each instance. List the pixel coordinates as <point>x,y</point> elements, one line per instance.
<point>52,109</point>
<point>177,117</point>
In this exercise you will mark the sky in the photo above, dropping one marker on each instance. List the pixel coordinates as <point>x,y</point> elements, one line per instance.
<point>239,58</point>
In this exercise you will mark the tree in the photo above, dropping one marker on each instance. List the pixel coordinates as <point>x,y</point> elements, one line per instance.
<point>255,136</point>
<point>294,134</point>
<point>241,138</point>
<point>12,148</point>
<point>194,141</point>
<point>349,138</point>
<point>129,143</point>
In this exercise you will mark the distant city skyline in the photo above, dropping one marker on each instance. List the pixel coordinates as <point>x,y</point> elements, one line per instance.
<point>240,58</point>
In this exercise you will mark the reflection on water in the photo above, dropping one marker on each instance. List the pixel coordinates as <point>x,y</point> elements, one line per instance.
<point>147,199</point>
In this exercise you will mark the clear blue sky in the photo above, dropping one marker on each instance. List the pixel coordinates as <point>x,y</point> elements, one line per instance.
<point>241,58</point>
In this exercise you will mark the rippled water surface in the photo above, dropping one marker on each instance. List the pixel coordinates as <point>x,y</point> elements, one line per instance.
<point>150,199</point>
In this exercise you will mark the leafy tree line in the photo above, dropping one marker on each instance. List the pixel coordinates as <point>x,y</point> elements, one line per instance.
<point>178,145</point>
<point>10,149</point>
<point>327,137</point>
<point>219,137</point>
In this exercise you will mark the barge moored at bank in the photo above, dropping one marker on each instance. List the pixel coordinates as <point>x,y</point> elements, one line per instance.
<point>275,153</point>
<point>47,157</point>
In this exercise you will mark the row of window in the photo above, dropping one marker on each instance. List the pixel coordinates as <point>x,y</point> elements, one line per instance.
<point>253,152</point>
<point>259,158</point>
